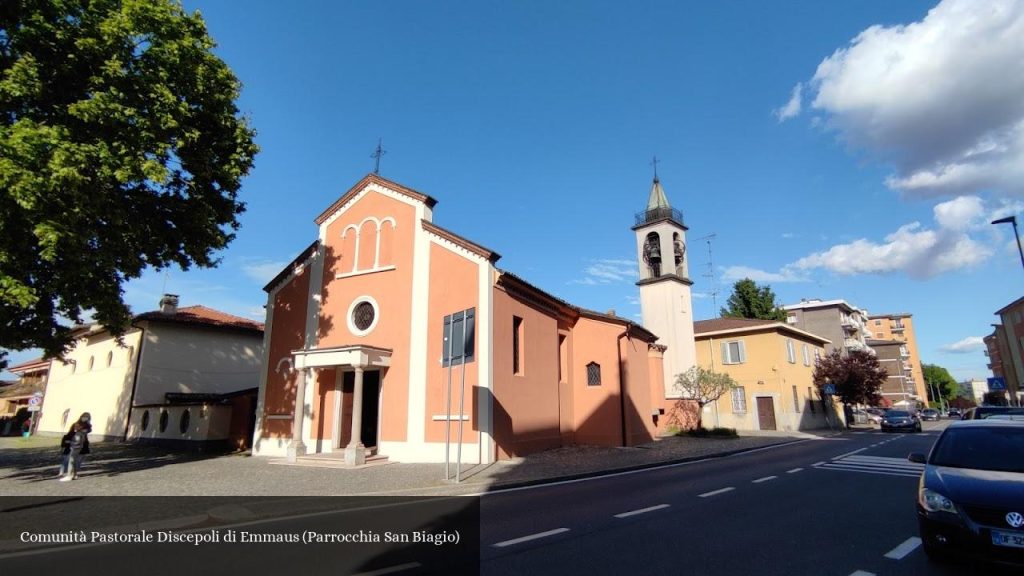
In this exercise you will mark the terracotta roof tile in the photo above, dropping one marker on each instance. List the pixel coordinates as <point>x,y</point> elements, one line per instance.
<point>718,324</point>
<point>203,316</point>
<point>33,365</point>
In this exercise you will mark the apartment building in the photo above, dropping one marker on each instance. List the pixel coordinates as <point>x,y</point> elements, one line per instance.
<point>900,328</point>
<point>843,325</point>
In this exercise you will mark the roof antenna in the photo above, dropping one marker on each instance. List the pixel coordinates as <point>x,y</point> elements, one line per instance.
<point>377,154</point>
<point>711,274</point>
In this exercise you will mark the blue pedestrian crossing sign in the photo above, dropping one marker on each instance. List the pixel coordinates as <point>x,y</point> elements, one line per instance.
<point>829,389</point>
<point>996,384</point>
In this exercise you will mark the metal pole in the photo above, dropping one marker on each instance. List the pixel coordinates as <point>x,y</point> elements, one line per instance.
<point>1017,236</point>
<point>462,402</point>
<point>448,420</point>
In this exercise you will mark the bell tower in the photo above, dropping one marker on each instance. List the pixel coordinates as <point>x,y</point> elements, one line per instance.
<point>665,300</point>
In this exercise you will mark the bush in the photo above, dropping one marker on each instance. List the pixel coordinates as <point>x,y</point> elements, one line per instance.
<point>713,432</point>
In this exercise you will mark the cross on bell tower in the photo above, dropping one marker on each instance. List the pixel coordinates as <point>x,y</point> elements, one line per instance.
<point>377,154</point>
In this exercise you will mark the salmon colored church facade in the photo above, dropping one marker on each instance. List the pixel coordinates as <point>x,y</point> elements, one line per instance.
<point>385,324</point>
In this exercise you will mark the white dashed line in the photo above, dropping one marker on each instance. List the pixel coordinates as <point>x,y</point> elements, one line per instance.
<point>530,537</point>
<point>862,573</point>
<point>902,550</point>
<point>641,511</point>
<point>817,464</point>
<point>793,471</point>
<point>848,454</point>
<point>391,569</point>
<point>765,479</point>
<point>716,492</point>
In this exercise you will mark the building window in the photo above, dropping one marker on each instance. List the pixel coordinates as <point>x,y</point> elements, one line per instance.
<point>807,355</point>
<point>145,420</point>
<point>363,315</point>
<point>791,319</point>
<point>790,351</point>
<point>459,335</point>
<point>817,355</point>
<point>563,356</point>
<point>796,400</point>
<point>733,352</point>
<point>131,353</point>
<point>739,399</point>
<point>163,421</point>
<point>183,423</point>
<point>64,418</point>
<point>110,358</point>
<point>810,399</point>
<point>878,322</point>
<point>593,374</point>
<point>92,360</point>
<point>517,345</point>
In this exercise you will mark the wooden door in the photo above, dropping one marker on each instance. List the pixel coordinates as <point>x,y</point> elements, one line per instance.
<point>765,413</point>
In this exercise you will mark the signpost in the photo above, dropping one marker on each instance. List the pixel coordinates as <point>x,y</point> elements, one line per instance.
<point>996,384</point>
<point>829,389</point>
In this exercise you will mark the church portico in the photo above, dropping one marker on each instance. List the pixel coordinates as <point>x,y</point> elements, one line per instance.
<point>356,393</point>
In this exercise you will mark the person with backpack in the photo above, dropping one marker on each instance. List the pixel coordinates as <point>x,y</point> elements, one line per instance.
<point>74,445</point>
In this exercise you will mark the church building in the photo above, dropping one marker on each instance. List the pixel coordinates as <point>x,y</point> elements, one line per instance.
<point>391,337</point>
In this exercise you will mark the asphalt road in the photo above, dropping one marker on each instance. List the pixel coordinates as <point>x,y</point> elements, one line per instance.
<point>842,506</point>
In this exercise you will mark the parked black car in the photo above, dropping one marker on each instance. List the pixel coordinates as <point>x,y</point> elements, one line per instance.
<point>970,501</point>
<point>981,412</point>
<point>953,413</point>
<point>900,420</point>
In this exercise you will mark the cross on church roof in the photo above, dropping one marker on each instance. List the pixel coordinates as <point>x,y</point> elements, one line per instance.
<point>655,164</point>
<point>376,155</point>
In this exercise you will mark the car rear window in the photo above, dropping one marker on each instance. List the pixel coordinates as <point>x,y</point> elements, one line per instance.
<point>989,412</point>
<point>897,414</point>
<point>997,448</point>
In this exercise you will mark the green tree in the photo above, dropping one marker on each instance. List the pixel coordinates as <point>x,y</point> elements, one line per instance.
<point>857,377</point>
<point>121,148</point>
<point>703,387</point>
<point>748,300</point>
<point>937,377</point>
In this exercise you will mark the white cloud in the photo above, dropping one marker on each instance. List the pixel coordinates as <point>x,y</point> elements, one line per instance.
<point>734,273</point>
<point>607,271</point>
<point>939,98</point>
<point>788,235</point>
<point>263,271</point>
<point>960,214</point>
<point>792,108</point>
<point>966,346</point>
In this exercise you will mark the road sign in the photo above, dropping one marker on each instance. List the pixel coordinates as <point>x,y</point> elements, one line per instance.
<point>829,389</point>
<point>996,384</point>
<point>35,400</point>
<point>34,408</point>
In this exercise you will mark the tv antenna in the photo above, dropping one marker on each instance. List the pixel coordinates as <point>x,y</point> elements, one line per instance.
<point>710,274</point>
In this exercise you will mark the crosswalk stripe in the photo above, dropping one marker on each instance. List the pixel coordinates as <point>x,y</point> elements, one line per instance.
<point>883,465</point>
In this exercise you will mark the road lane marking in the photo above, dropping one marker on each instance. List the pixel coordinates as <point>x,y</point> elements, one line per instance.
<point>849,454</point>
<point>884,472</point>
<point>817,464</point>
<point>716,492</point>
<point>862,573</point>
<point>641,511</point>
<point>793,471</point>
<point>765,479</point>
<point>391,569</point>
<point>536,536</point>
<point>629,472</point>
<point>902,550</point>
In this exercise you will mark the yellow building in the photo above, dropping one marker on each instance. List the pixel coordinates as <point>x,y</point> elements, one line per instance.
<point>773,365</point>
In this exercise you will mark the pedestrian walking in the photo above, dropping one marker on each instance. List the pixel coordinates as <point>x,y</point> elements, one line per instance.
<point>74,445</point>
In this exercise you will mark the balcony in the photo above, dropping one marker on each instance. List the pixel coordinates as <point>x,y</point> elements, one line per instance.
<point>657,214</point>
<point>896,328</point>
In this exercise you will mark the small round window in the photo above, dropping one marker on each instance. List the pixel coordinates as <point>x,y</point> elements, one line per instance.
<point>145,420</point>
<point>163,420</point>
<point>183,423</point>
<point>363,315</point>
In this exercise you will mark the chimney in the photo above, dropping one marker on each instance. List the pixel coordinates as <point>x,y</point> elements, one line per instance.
<point>611,312</point>
<point>169,304</point>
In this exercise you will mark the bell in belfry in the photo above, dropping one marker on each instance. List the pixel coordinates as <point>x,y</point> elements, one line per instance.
<point>652,254</point>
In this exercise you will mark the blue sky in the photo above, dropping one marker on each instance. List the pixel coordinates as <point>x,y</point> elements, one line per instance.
<point>836,150</point>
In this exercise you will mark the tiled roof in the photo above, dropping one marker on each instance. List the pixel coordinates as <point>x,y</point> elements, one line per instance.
<point>718,324</point>
<point>201,315</point>
<point>33,365</point>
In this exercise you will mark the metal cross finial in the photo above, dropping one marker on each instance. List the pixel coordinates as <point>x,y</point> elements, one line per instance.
<point>654,163</point>
<point>376,155</point>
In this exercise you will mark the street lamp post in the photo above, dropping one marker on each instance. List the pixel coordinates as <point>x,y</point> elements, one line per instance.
<point>1013,220</point>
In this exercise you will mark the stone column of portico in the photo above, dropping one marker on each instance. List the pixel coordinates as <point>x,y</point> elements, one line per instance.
<point>336,428</point>
<point>355,452</point>
<point>297,447</point>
